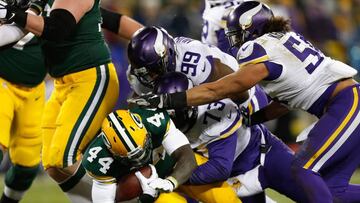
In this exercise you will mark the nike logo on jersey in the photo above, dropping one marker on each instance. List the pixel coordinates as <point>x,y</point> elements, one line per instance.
<point>203,68</point>
<point>244,48</point>
<point>229,115</point>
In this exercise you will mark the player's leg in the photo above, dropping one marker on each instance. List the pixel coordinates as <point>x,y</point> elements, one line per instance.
<point>87,98</point>
<point>332,139</point>
<point>276,172</point>
<point>6,118</point>
<point>210,193</point>
<point>338,163</point>
<point>25,141</point>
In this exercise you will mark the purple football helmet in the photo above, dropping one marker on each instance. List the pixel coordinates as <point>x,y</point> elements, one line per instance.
<point>151,52</point>
<point>246,22</point>
<point>172,82</point>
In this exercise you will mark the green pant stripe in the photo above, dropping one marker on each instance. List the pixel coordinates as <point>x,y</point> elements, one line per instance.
<point>86,116</point>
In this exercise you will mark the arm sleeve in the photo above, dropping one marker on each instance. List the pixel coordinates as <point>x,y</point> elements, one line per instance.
<point>103,192</point>
<point>10,33</point>
<point>174,139</point>
<point>111,20</point>
<point>219,165</point>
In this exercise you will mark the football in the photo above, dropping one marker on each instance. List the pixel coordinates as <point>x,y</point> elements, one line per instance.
<point>129,187</point>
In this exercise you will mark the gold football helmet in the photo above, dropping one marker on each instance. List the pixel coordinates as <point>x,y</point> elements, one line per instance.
<point>127,138</point>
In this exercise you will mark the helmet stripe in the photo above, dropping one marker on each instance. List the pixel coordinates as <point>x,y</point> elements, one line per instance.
<point>126,130</point>
<point>159,43</point>
<point>120,130</point>
<point>245,19</point>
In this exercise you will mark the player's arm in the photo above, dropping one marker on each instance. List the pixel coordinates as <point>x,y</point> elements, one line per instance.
<point>177,145</point>
<point>59,25</point>
<point>11,33</point>
<point>219,166</point>
<point>272,111</point>
<point>103,191</point>
<point>119,24</point>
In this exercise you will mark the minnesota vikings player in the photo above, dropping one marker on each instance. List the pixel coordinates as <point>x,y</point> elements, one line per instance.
<point>153,52</point>
<point>252,156</point>
<point>214,23</point>
<point>296,73</point>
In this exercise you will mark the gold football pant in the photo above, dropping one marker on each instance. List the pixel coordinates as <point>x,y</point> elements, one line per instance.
<point>20,121</point>
<point>74,113</point>
<point>211,193</point>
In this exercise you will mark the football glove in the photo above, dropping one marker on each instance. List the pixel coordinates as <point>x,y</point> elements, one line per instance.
<point>162,101</point>
<point>38,5</point>
<point>166,185</point>
<point>145,182</point>
<point>7,12</point>
<point>246,116</point>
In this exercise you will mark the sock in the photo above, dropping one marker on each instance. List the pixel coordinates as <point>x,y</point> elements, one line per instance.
<point>314,186</point>
<point>18,180</point>
<point>5,199</point>
<point>78,187</point>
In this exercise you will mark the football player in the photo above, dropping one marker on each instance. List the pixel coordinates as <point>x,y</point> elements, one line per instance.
<point>86,86</point>
<point>22,95</point>
<point>297,74</point>
<point>214,24</point>
<point>130,139</point>
<point>252,156</point>
<point>153,52</point>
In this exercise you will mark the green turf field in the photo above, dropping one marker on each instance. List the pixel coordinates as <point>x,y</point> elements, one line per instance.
<point>44,190</point>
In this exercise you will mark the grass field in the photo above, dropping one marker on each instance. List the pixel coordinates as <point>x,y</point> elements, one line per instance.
<point>44,190</point>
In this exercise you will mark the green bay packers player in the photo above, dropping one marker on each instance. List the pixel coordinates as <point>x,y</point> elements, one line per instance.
<point>86,87</point>
<point>133,138</point>
<point>22,96</point>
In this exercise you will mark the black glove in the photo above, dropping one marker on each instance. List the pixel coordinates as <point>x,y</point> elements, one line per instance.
<point>246,116</point>
<point>38,5</point>
<point>7,12</point>
<point>162,101</point>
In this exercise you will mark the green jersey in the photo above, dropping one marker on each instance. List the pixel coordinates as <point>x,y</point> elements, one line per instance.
<point>86,48</point>
<point>23,63</point>
<point>165,137</point>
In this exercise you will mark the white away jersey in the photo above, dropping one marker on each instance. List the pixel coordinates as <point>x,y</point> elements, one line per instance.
<point>193,58</point>
<point>215,121</point>
<point>299,73</point>
<point>215,9</point>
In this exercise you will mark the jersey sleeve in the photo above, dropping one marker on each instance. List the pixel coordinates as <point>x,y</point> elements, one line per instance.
<point>173,139</point>
<point>223,57</point>
<point>222,119</point>
<point>100,164</point>
<point>252,53</point>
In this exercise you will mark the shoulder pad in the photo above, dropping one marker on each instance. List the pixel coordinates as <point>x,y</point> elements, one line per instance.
<point>251,53</point>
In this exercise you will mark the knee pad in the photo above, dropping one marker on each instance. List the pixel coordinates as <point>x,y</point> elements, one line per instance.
<point>20,178</point>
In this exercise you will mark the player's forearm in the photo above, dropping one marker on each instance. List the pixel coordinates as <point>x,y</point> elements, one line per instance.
<point>35,24</point>
<point>185,164</point>
<point>128,27</point>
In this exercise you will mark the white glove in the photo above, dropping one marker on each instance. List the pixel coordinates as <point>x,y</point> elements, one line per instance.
<point>144,182</point>
<point>167,185</point>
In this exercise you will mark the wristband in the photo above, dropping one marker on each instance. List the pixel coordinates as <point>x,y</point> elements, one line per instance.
<point>173,181</point>
<point>177,100</point>
<point>20,18</point>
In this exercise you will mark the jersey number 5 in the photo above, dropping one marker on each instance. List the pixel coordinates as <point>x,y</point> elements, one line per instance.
<point>303,50</point>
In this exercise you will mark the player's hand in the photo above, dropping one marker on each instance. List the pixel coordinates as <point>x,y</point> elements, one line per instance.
<point>246,116</point>
<point>151,101</point>
<point>38,5</point>
<point>144,182</point>
<point>7,12</point>
<point>166,185</point>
